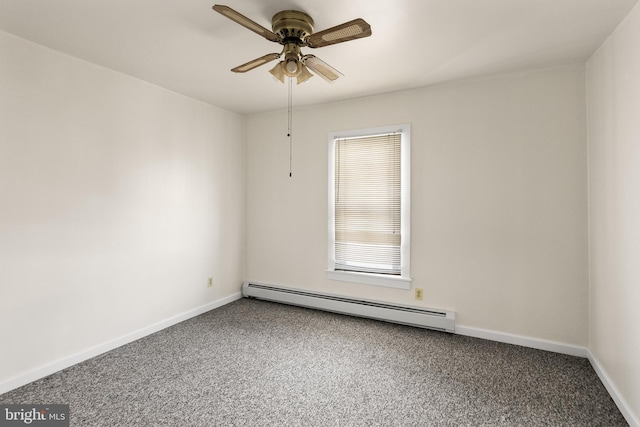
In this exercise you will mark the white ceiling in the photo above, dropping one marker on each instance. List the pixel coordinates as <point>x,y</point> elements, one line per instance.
<point>184,46</point>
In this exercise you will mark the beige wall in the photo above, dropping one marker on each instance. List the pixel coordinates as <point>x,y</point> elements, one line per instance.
<point>499,199</point>
<point>614,208</point>
<point>117,200</point>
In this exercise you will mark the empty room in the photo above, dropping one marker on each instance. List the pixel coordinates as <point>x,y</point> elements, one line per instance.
<point>320,213</point>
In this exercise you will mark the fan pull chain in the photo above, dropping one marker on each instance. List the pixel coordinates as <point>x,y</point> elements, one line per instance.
<point>290,125</point>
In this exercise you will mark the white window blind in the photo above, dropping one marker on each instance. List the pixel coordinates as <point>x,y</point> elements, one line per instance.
<point>368,204</point>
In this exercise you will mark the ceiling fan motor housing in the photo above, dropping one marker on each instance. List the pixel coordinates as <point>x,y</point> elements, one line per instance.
<point>293,26</point>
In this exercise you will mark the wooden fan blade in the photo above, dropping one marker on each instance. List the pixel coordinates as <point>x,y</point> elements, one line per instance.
<point>255,63</point>
<point>320,67</point>
<point>246,22</point>
<point>356,29</point>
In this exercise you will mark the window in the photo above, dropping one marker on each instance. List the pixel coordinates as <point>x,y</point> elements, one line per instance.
<point>369,206</point>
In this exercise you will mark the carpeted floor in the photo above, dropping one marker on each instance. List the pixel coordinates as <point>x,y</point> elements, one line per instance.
<point>255,363</point>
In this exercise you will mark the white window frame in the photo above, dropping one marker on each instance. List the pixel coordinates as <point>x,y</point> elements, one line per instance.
<point>403,281</point>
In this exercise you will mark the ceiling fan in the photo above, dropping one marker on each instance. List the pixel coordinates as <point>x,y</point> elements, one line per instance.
<point>294,30</point>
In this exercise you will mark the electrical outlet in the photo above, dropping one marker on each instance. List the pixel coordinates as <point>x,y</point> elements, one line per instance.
<point>418,294</point>
<point>210,282</point>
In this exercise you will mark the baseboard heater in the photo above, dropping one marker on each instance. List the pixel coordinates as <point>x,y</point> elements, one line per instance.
<point>441,320</point>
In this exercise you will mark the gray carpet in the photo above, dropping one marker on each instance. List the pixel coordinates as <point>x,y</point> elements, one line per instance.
<point>255,363</point>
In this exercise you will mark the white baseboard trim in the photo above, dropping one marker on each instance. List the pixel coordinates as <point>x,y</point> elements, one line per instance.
<point>58,365</point>
<point>539,344</point>
<point>620,401</point>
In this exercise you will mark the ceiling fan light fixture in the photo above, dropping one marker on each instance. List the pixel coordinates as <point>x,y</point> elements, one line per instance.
<point>304,75</point>
<point>277,72</point>
<point>292,67</point>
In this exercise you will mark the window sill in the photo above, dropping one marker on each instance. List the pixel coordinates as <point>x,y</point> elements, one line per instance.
<point>397,282</point>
